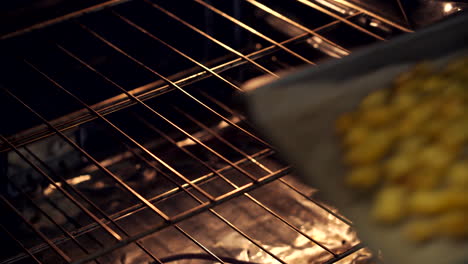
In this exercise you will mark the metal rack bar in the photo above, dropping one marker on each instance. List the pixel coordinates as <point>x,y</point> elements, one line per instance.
<point>121,132</point>
<point>87,200</point>
<point>63,191</point>
<point>196,198</point>
<point>229,110</point>
<point>141,147</point>
<point>403,12</point>
<point>233,113</point>
<point>71,220</point>
<point>229,181</point>
<point>139,207</point>
<point>199,64</point>
<point>254,161</point>
<point>189,213</point>
<point>144,149</point>
<point>53,21</point>
<point>172,48</point>
<point>343,255</point>
<point>221,44</point>
<point>158,114</point>
<point>105,170</point>
<point>357,7</point>
<point>52,220</point>
<point>146,106</point>
<point>325,11</point>
<point>216,135</point>
<point>253,31</point>
<point>57,250</point>
<point>124,103</point>
<point>294,23</point>
<point>27,252</point>
<point>132,99</point>
<point>168,81</point>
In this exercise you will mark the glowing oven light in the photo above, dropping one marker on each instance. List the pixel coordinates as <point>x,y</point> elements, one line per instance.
<point>448,7</point>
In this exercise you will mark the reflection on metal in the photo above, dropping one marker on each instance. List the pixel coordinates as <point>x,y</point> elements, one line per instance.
<point>342,9</point>
<point>73,181</point>
<point>448,7</point>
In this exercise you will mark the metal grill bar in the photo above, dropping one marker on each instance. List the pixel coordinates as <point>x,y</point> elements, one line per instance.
<point>168,81</point>
<point>227,180</point>
<point>35,230</point>
<point>31,255</point>
<point>294,23</point>
<point>254,31</point>
<point>138,207</point>
<point>211,132</point>
<point>120,131</point>
<point>325,11</point>
<point>144,149</point>
<point>156,91</point>
<point>233,113</point>
<point>221,44</point>
<point>189,213</point>
<point>138,150</point>
<point>76,14</point>
<point>117,180</point>
<point>254,161</point>
<point>87,200</point>
<point>346,253</point>
<point>367,12</point>
<point>403,12</point>
<point>200,245</point>
<point>128,21</point>
<point>196,198</point>
<point>63,191</point>
<point>147,107</point>
<point>38,208</point>
<point>127,187</point>
<point>89,157</point>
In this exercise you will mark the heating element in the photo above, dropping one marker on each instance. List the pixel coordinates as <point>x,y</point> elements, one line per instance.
<point>122,139</point>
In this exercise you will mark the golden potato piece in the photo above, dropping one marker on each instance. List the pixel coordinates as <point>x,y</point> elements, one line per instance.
<point>454,224</point>
<point>356,135</point>
<point>455,134</point>
<point>457,176</point>
<point>406,141</point>
<point>398,166</point>
<point>434,83</point>
<point>411,144</point>
<point>414,118</point>
<point>451,224</point>
<point>435,157</point>
<point>375,99</point>
<point>433,127</point>
<point>421,230</point>
<point>403,101</point>
<point>452,107</point>
<point>363,178</point>
<point>424,178</point>
<point>434,202</point>
<point>378,116</point>
<point>374,148</point>
<point>390,205</point>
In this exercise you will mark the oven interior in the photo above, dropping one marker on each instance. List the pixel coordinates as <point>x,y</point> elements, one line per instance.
<point>123,139</point>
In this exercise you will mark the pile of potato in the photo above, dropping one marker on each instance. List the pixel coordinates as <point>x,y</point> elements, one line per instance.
<point>408,147</point>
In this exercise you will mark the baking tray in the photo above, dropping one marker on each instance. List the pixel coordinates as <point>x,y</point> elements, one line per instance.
<point>297,113</point>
